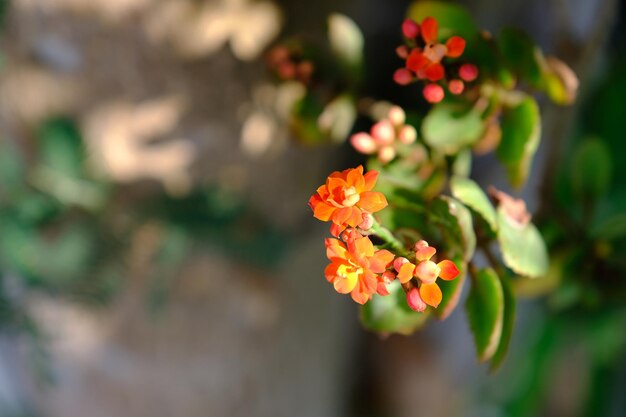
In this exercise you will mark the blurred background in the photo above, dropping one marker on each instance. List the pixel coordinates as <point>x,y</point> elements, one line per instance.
<point>158,258</point>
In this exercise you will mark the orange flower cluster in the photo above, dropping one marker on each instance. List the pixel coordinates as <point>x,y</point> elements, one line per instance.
<point>423,56</point>
<point>356,267</point>
<point>426,272</point>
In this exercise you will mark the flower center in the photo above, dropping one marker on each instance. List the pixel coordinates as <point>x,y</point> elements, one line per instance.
<point>350,197</point>
<point>435,52</point>
<point>349,271</point>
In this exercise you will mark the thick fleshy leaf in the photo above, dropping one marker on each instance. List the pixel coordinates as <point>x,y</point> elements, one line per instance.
<point>521,130</point>
<point>462,165</point>
<point>521,56</point>
<point>470,194</point>
<point>456,222</point>
<point>391,314</point>
<point>346,39</point>
<point>591,169</point>
<point>508,321</point>
<point>561,83</point>
<point>452,18</point>
<point>448,128</point>
<point>485,312</point>
<point>523,248</point>
<point>451,292</point>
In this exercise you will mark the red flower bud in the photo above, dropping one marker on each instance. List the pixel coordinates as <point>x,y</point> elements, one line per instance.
<point>410,29</point>
<point>456,87</point>
<point>433,93</point>
<point>468,72</point>
<point>414,300</point>
<point>402,76</point>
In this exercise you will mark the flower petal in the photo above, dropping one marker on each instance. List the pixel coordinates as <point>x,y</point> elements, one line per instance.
<point>424,254</point>
<point>449,271</point>
<point>335,249</point>
<point>380,261</point>
<point>406,272</point>
<point>372,201</point>
<point>355,178</point>
<point>431,294</point>
<point>434,72</point>
<point>429,29</point>
<point>417,61</point>
<point>364,246</point>
<point>344,285</point>
<point>323,211</point>
<point>370,180</point>
<point>456,46</point>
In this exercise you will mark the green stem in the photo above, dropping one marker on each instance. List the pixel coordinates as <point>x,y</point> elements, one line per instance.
<point>386,235</point>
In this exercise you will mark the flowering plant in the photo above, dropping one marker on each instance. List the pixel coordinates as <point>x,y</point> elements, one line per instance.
<point>475,95</point>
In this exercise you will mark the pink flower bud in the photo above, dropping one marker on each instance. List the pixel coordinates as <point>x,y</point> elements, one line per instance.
<point>368,221</point>
<point>468,72</point>
<point>414,300</point>
<point>402,51</point>
<point>386,154</point>
<point>396,115</point>
<point>456,87</point>
<point>383,133</point>
<point>363,143</point>
<point>398,262</point>
<point>427,271</point>
<point>421,245</point>
<point>433,93</point>
<point>403,76</point>
<point>410,29</point>
<point>388,277</point>
<point>407,134</point>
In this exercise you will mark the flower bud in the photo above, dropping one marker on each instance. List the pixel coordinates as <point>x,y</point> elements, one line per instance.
<point>398,262</point>
<point>386,154</point>
<point>427,271</point>
<point>402,76</point>
<point>363,143</point>
<point>383,133</point>
<point>396,115</point>
<point>468,72</point>
<point>402,51</point>
<point>368,222</point>
<point>388,277</point>
<point>456,87</point>
<point>407,134</point>
<point>414,300</point>
<point>410,29</point>
<point>433,93</point>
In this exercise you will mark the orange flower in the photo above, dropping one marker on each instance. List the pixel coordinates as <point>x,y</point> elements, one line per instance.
<point>427,272</point>
<point>347,198</point>
<point>355,267</point>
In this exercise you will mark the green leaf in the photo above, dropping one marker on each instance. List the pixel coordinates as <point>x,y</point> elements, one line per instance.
<point>456,221</point>
<point>508,322</point>
<point>470,194</point>
<point>61,147</point>
<point>338,117</point>
<point>346,40</point>
<point>521,130</point>
<point>391,313</point>
<point>485,312</point>
<point>448,129</point>
<point>523,248</point>
<point>452,18</point>
<point>591,169</point>
<point>451,291</point>
<point>521,56</point>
